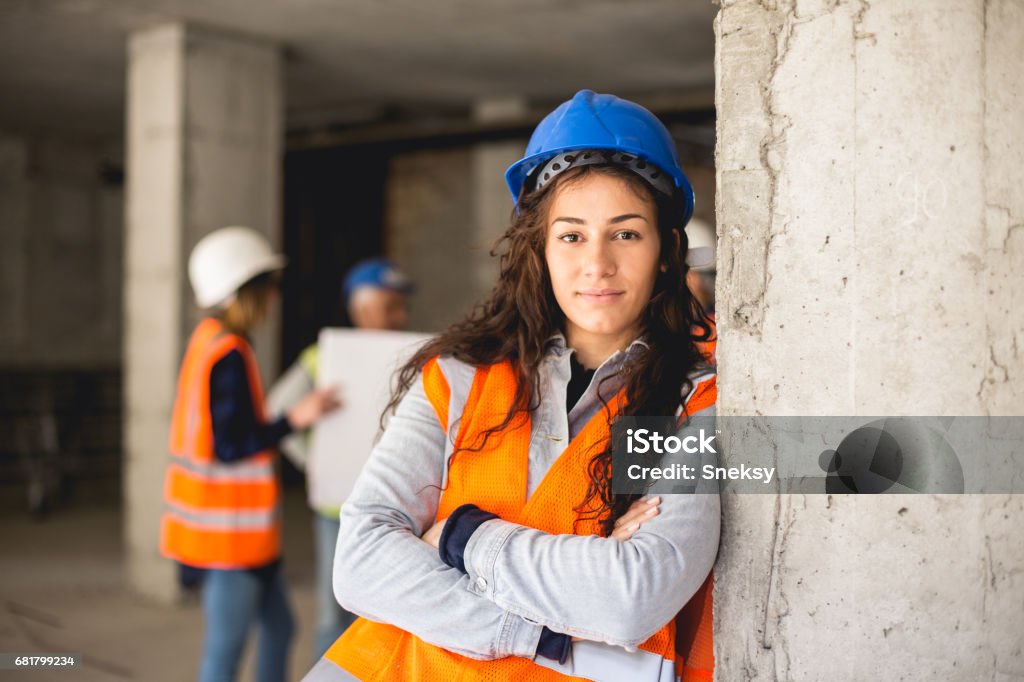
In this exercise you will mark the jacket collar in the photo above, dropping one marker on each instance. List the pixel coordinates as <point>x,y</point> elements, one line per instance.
<point>557,346</point>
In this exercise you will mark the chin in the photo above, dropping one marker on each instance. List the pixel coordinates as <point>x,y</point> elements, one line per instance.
<point>603,327</point>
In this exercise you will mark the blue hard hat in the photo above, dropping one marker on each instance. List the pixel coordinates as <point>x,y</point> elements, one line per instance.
<point>606,123</point>
<point>379,273</point>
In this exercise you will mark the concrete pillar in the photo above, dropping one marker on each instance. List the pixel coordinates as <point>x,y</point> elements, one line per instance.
<point>62,231</point>
<point>15,219</point>
<point>869,214</point>
<point>429,219</point>
<point>204,151</point>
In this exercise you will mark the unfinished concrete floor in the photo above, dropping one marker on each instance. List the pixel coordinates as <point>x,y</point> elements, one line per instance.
<point>62,589</point>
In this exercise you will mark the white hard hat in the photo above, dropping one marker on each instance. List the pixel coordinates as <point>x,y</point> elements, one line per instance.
<point>701,253</point>
<point>226,259</point>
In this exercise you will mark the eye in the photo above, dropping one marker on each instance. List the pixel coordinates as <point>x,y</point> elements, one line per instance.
<point>570,237</point>
<point>627,234</point>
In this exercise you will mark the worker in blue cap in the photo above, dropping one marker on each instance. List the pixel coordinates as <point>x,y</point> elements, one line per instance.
<point>374,295</point>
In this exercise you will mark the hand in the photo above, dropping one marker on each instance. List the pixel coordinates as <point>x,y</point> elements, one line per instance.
<point>313,407</point>
<point>433,536</point>
<point>639,513</point>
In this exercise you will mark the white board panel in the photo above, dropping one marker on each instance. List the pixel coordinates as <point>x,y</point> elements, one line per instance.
<point>361,363</point>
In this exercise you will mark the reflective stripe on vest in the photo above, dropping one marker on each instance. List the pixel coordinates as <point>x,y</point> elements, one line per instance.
<point>495,478</point>
<point>222,519</point>
<point>218,514</point>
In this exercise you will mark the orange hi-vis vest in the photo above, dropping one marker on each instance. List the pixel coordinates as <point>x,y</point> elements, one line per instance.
<point>219,514</point>
<point>495,479</point>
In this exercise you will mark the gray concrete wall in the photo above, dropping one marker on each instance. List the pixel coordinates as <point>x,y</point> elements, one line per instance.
<point>60,261</point>
<point>204,151</point>
<point>869,205</point>
<point>444,211</point>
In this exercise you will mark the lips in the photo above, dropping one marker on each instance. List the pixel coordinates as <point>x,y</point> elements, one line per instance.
<point>600,295</point>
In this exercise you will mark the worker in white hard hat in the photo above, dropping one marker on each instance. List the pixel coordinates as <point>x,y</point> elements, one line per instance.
<point>374,295</point>
<point>701,259</point>
<point>700,277</point>
<point>222,520</point>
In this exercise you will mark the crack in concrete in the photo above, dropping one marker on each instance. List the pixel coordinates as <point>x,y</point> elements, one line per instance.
<point>772,613</point>
<point>858,19</point>
<point>765,639</point>
<point>1013,223</point>
<point>991,566</point>
<point>981,389</point>
<point>772,152</point>
<point>1009,234</point>
<point>996,365</point>
<point>987,585</point>
<point>781,653</point>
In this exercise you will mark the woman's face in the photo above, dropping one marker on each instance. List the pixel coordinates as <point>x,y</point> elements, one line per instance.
<point>602,253</point>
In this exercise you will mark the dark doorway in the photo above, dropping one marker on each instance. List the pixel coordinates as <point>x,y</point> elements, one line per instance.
<point>333,217</point>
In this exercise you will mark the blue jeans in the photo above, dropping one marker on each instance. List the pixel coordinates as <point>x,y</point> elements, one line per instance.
<point>232,601</point>
<point>331,619</point>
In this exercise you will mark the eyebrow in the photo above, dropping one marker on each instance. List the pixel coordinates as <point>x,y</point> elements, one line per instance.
<point>614,221</point>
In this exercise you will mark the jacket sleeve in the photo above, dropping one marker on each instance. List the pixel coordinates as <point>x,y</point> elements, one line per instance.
<point>237,432</point>
<point>597,588</point>
<point>383,571</point>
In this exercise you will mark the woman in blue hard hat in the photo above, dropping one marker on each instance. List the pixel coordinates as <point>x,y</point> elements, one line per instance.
<point>483,540</point>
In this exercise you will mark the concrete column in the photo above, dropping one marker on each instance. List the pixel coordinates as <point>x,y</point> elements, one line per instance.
<point>429,218</point>
<point>869,214</point>
<point>204,151</point>
<point>15,219</point>
<point>61,263</point>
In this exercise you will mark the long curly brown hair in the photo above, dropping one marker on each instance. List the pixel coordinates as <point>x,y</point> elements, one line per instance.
<point>516,321</point>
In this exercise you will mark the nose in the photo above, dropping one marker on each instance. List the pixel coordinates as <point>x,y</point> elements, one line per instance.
<point>599,261</point>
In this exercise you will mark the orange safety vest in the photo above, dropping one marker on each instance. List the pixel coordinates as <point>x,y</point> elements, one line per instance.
<point>219,514</point>
<point>495,479</point>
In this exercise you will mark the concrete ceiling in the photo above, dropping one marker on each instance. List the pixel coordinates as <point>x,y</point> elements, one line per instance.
<point>62,62</point>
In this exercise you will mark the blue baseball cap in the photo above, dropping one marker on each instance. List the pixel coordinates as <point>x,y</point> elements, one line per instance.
<point>379,273</point>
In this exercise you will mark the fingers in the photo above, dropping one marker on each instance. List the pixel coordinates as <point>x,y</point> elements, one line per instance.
<point>329,399</point>
<point>313,406</point>
<point>624,533</point>
<point>630,522</point>
<point>639,510</point>
<point>638,513</point>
